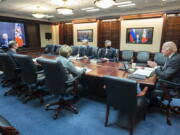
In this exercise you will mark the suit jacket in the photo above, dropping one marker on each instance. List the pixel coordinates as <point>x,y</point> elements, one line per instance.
<point>109,53</point>
<point>171,70</point>
<point>69,67</point>
<point>4,43</point>
<point>88,51</point>
<point>11,52</point>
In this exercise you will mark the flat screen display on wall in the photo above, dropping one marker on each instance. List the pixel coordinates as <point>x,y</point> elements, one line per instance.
<point>85,35</point>
<point>12,31</point>
<point>139,35</point>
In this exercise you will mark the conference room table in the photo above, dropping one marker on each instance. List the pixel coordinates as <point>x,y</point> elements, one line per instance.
<point>99,70</point>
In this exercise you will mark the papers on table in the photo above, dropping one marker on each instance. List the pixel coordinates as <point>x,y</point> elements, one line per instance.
<point>34,60</point>
<point>87,69</point>
<point>76,58</point>
<point>146,71</point>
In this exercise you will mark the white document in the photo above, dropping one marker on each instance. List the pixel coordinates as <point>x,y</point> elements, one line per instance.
<point>34,60</point>
<point>87,69</point>
<point>145,72</point>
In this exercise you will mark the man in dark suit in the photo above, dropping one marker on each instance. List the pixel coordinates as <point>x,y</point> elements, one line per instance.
<point>4,41</point>
<point>87,51</point>
<point>107,53</point>
<point>13,45</point>
<point>171,69</point>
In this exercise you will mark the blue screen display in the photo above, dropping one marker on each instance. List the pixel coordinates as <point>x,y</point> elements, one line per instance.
<point>12,31</point>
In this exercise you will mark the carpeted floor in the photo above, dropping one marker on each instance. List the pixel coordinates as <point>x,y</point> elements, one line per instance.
<point>32,119</point>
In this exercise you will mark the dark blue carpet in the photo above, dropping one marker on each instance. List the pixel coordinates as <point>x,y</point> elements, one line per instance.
<point>32,119</point>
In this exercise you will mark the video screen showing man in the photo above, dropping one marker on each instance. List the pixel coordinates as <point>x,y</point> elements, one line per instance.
<point>4,41</point>
<point>11,31</point>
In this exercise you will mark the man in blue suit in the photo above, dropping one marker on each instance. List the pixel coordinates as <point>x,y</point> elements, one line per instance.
<point>107,53</point>
<point>87,51</point>
<point>4,41</point>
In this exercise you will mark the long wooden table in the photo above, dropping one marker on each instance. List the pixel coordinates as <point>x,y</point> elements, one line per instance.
<point>106,68</point>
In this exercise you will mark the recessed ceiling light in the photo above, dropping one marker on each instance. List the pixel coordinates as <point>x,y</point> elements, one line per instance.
<point>93,10</point>
<point>104,3</point>
<point>127,5</point>
<point>87,8</point>
<point>125,2</point>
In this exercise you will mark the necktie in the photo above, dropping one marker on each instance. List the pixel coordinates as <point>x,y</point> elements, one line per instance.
<point>106,51</point>
<point>165,64</point>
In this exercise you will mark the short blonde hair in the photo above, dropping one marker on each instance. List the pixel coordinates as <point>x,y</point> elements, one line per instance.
<point>170,45</point>
<point>12,43</point>
<point>65,51</point>
<point>107,42</point>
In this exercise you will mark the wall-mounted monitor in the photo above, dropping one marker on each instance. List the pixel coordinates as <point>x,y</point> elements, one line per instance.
<point>48,35</point>
<point>86,34</point>
<point>139,35</point>
<point>12,31</point>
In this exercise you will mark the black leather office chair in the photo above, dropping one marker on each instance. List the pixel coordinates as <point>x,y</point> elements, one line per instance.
<point>31,77</point>
<point>169,97</point>
<point>122,94</point>
<point>49,49</point>
<point>75,50</point>
<point>126,55</point>
<point>57,48</point>
<point>11,72</point>
<point>159,59</point>
<point>57,84</point>
<point>142,58</point>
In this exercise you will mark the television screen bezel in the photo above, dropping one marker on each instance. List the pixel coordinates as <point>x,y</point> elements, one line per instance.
<point>25,31</point>
<point>85,30</point>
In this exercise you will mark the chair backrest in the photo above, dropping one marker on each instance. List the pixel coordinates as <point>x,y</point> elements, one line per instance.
<point>94,51</point>
<point>28,68</point>
<point>9,66</point>
<point>121,93</point>
<point>57,49</point>
<point>49,49</point>
<point>159,58</point>
<point>143,57</point>
<point>127,55</point>
<point>75,49</point>
<point>99,51</point>
<point>55,75</point>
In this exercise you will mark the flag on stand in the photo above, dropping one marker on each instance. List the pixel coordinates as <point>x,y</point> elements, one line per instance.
<point>18,35</point>
<point>132,36</point>
<point>144,36</point>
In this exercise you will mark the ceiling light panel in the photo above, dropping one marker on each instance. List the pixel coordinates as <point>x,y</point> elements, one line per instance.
<point>88,8</point>
<point>127,5</point>
<point>122,3</point>
<point>93,10</point>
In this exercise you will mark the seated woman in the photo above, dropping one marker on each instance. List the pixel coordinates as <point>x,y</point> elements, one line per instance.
<point>65,51</point>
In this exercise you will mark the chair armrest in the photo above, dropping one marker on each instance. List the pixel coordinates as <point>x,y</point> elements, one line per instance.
<point>72,81</point>
<point>143,92</point>
<point>169,83</point>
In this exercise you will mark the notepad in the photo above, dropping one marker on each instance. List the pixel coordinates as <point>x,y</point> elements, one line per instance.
<point>145,72</point>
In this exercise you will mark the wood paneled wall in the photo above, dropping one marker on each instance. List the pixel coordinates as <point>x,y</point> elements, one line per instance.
<point>32,32</point>
<point>66,34</point>
<point>109,31</point>
<point>33,36</point>
<point>172,30</point>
